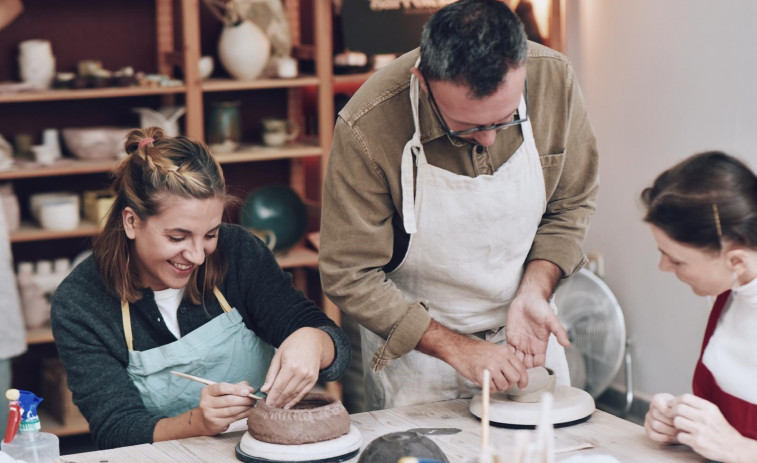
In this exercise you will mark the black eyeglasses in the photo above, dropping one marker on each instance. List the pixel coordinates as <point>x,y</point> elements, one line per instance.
<point>482,128</point>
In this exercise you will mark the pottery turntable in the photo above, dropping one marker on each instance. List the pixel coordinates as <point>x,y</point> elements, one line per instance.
<point>521,408</point>
<point>317,429</point>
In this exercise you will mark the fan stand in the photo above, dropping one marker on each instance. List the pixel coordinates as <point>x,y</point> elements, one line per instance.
<point>251,450</point>
<point>570,406</point>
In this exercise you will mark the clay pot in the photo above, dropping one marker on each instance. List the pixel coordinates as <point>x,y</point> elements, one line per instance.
<point>316,418</point>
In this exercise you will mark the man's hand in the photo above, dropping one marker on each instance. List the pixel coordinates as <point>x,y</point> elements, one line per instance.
<point>471,356</point>
<point>658,423</point>
<point>530,318</point>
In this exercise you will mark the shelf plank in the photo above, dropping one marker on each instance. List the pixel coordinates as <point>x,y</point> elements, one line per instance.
<point>51,425</point>
<point>62,167</point>
<point>224,85</point>
<point>89,93</point>
<point>30,232</point>
<point>247,153</point>
<point>39,336</point>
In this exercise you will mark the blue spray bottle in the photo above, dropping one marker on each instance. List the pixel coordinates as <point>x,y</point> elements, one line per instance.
<point>29,444</point>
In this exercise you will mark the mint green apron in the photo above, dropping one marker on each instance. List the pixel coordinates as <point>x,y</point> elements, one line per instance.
<point>222,350</point>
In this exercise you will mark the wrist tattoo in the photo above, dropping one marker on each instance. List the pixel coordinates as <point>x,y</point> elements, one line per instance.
<point>190,416</point>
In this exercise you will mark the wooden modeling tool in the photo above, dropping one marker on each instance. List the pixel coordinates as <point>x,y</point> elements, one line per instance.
<point>485,411</point>
<point>208,382</point>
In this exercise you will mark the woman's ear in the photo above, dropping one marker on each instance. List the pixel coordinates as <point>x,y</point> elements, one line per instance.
<point>741,262</point>
<point>131,221</point>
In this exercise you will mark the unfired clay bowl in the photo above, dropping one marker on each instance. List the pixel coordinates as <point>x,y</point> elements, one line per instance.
<point>540,380</point>
<point>316,418</point>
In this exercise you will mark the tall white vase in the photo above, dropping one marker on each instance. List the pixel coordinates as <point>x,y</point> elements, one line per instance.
<point>243,50</point>
<point>36,63</point>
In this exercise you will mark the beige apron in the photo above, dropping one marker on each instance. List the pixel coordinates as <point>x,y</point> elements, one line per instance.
<point>469,241</point>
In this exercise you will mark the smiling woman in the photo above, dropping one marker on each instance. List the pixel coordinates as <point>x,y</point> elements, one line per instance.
<point>170,287</point>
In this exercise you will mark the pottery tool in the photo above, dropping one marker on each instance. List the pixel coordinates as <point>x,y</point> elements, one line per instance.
<point>485,410</point>
<point>208,382</point>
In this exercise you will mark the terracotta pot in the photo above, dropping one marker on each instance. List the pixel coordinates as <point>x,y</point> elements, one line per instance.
<point>316,418</point>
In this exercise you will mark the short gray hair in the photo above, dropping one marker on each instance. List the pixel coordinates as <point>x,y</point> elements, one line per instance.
<point>473,42</point>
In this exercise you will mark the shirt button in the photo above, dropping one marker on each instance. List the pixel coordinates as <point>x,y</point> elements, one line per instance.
<point>183,310</point>
<point>479,149</point>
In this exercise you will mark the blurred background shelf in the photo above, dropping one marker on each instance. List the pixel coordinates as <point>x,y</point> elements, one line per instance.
<point>31,232</point>
<point>89,93</point>
<point>224,85</point>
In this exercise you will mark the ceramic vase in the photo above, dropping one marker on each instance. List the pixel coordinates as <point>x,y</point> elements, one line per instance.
<point>243,50</point>
<point>36,63</point>
<point>224,126</point>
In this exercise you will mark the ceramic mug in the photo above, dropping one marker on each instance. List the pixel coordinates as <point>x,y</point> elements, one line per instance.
<point>276,132</point>
<point>267,236</point>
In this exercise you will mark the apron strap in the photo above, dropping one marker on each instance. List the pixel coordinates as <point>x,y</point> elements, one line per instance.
<point>413,149</point>
<point>527,130</point>
<point>221,300</point>
<point>126,319</point>
<point>126,316</point>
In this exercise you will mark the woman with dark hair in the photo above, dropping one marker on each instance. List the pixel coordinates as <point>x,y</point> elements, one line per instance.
<point>703,215</point>
<point>171,287</point>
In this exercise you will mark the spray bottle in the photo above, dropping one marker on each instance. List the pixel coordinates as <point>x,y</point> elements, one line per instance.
<point>29,444</point>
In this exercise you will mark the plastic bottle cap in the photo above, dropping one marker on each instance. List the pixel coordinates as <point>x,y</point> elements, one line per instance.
<point>12,394</point>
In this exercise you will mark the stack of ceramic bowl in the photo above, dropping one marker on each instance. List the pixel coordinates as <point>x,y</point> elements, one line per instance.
<point>55,211</point>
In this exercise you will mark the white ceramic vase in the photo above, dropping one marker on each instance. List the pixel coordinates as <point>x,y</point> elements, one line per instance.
<point>36,63</point>
<point>243,50</point>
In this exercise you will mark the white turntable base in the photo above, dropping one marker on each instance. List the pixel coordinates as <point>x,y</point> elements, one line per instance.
<point>342,445</point>
<point>570,404</point>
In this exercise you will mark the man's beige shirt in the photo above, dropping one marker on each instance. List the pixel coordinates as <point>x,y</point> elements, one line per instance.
<point>361,226</point>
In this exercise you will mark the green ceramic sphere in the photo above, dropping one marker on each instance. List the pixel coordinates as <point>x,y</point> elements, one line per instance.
<point>277,208</point>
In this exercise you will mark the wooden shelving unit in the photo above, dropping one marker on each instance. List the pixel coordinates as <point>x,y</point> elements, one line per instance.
<point>184,50</point>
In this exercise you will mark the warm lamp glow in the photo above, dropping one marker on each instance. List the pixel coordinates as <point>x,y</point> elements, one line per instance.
<point>541,14</point>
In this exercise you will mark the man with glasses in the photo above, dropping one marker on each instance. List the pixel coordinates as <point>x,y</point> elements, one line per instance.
<point>458,192</point>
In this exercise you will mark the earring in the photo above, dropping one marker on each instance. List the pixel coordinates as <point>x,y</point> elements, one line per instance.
<point>735,284</point>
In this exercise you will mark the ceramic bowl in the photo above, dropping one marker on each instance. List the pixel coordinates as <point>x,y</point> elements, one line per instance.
<point>37,200</point>
<point>96,142</point>
<point>205,66</point>
<point>540,381</point>
<point>61,215</point>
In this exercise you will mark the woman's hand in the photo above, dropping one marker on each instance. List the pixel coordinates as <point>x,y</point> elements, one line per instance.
<point>222,404</point>
<point>295,367</point>
<point>702,426</point>
<point>658,422</point>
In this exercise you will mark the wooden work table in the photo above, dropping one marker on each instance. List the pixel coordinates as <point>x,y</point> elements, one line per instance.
<point>609,435</point>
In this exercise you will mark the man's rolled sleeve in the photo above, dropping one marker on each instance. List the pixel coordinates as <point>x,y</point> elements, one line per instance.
<point>405,335</point>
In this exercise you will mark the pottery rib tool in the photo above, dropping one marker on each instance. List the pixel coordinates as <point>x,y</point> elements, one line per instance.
<point>208,382</point>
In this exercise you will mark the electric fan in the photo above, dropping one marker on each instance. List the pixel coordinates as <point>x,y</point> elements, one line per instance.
<point>594,321</point>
